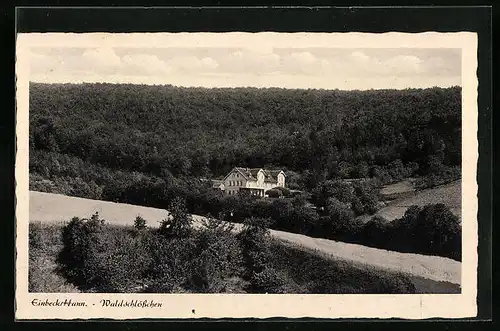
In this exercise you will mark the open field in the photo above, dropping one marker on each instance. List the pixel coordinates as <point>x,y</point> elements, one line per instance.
<point>449,194</point>
<point>401,189</point>
<point>51,208</point>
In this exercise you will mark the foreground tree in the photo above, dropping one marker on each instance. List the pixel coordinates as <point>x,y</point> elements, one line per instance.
<point>178,223</point>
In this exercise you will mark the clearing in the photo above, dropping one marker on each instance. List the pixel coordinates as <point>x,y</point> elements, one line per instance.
<point>50,208</point>
<point>448,194</point>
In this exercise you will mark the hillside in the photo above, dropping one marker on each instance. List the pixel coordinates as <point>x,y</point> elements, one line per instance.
<point>428,270</point>
<point>200,131</point>
<point>449,194</point>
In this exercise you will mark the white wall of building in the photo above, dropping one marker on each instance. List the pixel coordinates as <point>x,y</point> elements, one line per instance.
<point>235,180</point>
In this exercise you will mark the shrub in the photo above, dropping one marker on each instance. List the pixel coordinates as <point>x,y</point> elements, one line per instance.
<point>377,232</point>
<point>208,261</point>
<point>441,176</point>
<point>178,223</point>
<point>366,198</point>
<point>255,242</point>
<point>271,280</point>
<point>35,236</point>
<point>274,193</point>
<point>122,261</point>
<point>332,189</point>
<point>218,257</point>
<point>339,222</point>
<point>338,211</point>
<point>284,191</point>
<point>432,229</point>
<point>171,263</point>
<point>139,223</point>
<point>80,243</point>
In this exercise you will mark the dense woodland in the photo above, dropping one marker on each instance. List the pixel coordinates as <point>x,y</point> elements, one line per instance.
<point>150,144</point>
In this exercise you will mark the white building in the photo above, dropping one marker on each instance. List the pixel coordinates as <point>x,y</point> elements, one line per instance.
<point>256,181</point>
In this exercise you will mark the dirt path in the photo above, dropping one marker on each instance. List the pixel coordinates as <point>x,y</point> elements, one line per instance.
<point>47,207</point>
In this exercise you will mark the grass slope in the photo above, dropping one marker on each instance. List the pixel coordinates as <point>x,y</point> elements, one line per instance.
<point>449,194</point>
<point>44,275</point>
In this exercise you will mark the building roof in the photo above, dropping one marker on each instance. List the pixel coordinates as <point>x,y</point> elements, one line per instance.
<point>251,173</point>
<point>272,174</point>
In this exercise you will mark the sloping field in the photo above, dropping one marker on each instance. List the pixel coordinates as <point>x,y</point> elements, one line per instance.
<point>47,207</point>
<point>401,189</point>
<point>449,194</point>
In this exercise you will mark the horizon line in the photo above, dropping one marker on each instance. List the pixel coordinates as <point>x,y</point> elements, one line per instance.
<point>246,87</point>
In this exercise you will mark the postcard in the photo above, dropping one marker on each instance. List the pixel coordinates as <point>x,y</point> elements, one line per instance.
<point>246,175</point>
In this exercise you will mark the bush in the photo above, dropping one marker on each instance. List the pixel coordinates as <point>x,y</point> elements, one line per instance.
<point>102,258</point>
<point>218,258</point>
<point>178,223</point>
<point>271,280</point>
<point>440,177</point>
<point>274,193</point>
<point>122,261</point>
<point>139,223</point>
<point>284,191</point>
<point>432,229</point>
<point>342,191</point>
<point>172,263</point>
<point>209,261</point>
<point>338,211</point>
<point>255,242</point>
<point>366,198</point>
<point>377,231</point>
<point>80,240</point>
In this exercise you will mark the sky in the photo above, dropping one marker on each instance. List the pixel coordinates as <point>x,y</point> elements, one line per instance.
<point>257,66</point>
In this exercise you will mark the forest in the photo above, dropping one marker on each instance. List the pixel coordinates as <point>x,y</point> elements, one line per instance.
<point>147,145</point>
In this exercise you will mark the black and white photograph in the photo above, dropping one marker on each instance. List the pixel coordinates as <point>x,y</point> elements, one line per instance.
<point>266,164</point>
